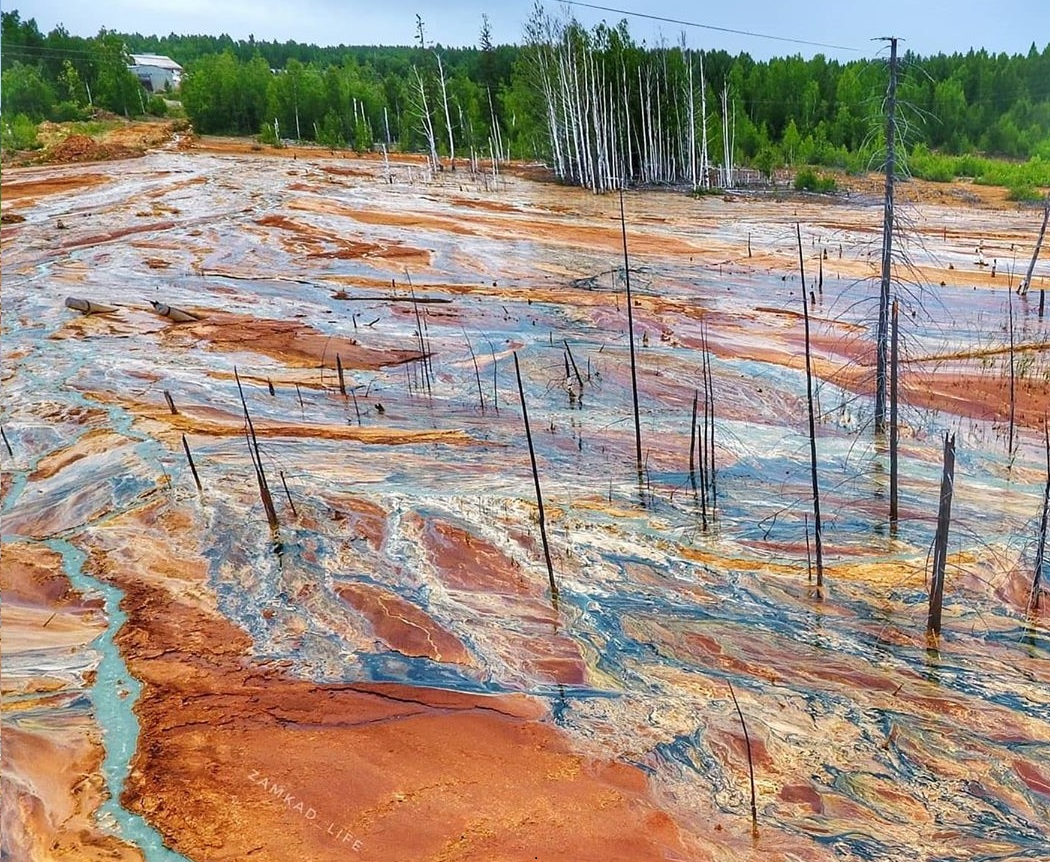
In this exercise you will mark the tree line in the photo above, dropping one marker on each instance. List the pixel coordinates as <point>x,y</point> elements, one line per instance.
<point>594,103</point>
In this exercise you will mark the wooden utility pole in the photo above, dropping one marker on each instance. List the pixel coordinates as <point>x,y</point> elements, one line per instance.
<point>882,334</point>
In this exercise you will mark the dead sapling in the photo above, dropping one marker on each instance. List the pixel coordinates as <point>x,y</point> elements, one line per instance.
<point>750,762</point>
<point>256,456</point>
<point>339,372</point>
<point>193,467</point>
<point>817,531</point>
<point>1040,549</point>
<point>477,373</point>
<point>630,339</point>
<point>536,480</point>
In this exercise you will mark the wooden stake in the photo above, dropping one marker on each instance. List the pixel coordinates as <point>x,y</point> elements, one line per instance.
<point>171,403</point>
<point>6,444</point>
<point>193,468</point>
<point>536,479</point>
<point>339,371</point>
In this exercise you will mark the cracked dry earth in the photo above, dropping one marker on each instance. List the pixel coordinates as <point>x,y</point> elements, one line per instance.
<point>388,677</point>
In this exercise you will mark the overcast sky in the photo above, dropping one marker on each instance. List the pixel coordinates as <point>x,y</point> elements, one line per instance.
<point>928,26</point>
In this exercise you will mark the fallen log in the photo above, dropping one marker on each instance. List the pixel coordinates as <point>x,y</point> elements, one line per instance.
<point>86,306</point>
<point>172,313</point>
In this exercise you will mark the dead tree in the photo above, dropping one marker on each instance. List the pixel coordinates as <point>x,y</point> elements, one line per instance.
<point>1022,288</point>
<point>817,529</point>
<point>881,340</point>
<point>1040,549</point>
<point>940,539</point>
<point>894,426</point>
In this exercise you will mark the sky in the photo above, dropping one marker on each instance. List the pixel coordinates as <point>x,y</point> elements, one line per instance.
<point>926,26</point>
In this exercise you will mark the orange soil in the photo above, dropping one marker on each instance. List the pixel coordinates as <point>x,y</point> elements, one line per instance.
<point>388,771</point>
<point>212,422</point>
<point>51,767</point>
<point>294,343</point>
<point>403,626</point>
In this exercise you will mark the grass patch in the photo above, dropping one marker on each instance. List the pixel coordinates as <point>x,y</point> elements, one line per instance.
<point>1023,179</point>
<point>808,180</point>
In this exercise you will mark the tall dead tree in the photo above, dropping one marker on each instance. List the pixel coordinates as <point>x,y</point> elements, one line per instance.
<point>894,428</point>
<point>940,539</point>
<point>1022,288</point>
<point>630,341</point>
<point>1040,548</point>
<point>536,479</point>
<point>818,533</point>
<point>881,339</point>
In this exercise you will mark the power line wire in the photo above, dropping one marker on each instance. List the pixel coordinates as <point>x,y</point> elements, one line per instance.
<point>750,33</point>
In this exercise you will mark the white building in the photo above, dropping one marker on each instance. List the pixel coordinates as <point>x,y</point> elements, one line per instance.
<point>155,72</point>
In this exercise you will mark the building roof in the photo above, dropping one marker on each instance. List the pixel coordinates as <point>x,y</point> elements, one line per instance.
<point>156,60</point>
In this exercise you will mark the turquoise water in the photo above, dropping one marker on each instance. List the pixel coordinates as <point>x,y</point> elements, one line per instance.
<point>113,696</point>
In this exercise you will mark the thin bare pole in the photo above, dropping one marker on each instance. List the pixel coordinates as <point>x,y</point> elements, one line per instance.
<point>894,429</point>
<point>1040,550</point>
<point>1027,283</point>
<point>536,479</point>
<point>887,243</point>
<point>817,531</point>
<point>692,442</point>
<point>1013,376</point>
<point>193,468</point>
<point>709,418</point>
<point>750,764</point>
<point>630,335</point>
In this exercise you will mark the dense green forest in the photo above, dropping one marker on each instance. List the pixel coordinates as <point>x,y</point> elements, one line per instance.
<point>590,102</point>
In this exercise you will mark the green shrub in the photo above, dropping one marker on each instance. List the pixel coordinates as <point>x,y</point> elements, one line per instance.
<point>268,135</point>
<point>67,112</point>
<point>1024,193</point>
<point>19,133</point>
<point>808,180</point>
<point>157,107</point>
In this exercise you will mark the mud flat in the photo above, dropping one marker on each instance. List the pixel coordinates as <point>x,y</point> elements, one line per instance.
<point>387,677</point>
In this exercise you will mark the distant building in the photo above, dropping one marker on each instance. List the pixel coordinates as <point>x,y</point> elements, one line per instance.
<point>156,73</point>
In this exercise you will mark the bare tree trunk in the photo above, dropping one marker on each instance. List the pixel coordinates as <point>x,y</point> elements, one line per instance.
<point>1040,550</point>
<point>426,121</point>
<point>818,532</point>
<point>881,341</point>
<point>894,427</point>
<point>705,161</point>
<point>940,540</point>
<point>448,116</point>
<point>1023,287</point>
